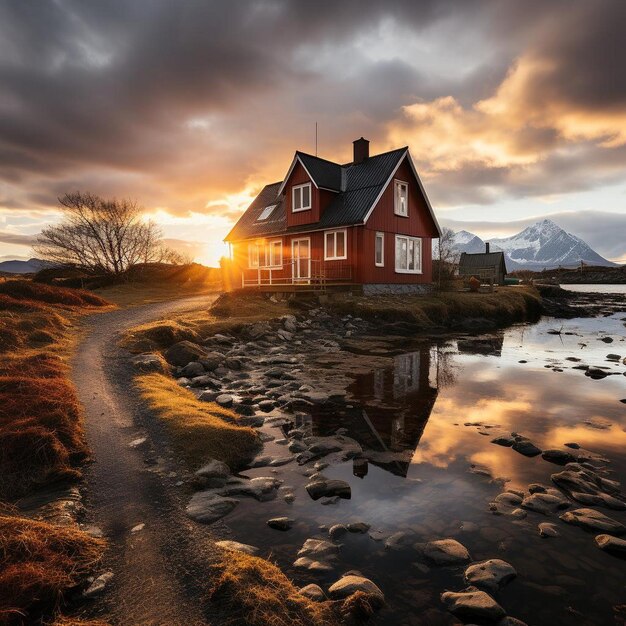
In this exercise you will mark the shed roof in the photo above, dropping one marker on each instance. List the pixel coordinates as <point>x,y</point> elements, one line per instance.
<point>482,260</point>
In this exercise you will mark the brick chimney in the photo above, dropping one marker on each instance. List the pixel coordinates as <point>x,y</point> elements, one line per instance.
<point>361,150</point>
<point>487,247</point>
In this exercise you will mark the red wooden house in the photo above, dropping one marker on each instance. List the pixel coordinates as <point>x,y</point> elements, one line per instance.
<point>366,223</point>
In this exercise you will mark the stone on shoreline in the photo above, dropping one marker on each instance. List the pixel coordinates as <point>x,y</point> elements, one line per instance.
<point>207,507</point>
<point>280,523</point>
<point>329,488</point>
<point>491,575</point>
<point>444,552</point>
<point>612,544</point>
<point>593,520</point>
<point>235,546</point>
<point>350,584</point>
<point>472,604</point>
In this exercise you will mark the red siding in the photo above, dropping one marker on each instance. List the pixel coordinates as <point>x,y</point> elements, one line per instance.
<point>298,177</point>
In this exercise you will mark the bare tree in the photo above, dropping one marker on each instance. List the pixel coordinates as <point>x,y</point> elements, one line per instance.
<point>103,236</point>
<point>448,257</point>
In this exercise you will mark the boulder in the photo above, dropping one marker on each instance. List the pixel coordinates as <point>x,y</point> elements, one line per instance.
<point>491,575</point>
<point>328,488</point>
<point>207,507</point>
<point>149,363</point>
<point>545,503</point>
<point>593,520</point>
<point>280,523</point>
<point>235,546</point>
<point>313,592</point>
<point>214,469</point>
<point>184,352</point>
<point>211,361</point>
<point>262,487</point>
<point>192,369</point>
<point>225,400</point>
<point>337,530</point>
<point>526,447</point>
<point>611,544</point>
<point>472,604</point>
<point>560,457</point>
<point>548,530</point>
<point>444,552</point>
<point>358,527</point>
<point>350,584</point>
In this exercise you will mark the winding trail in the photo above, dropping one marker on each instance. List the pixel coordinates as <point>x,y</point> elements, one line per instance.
<point>160,572</point>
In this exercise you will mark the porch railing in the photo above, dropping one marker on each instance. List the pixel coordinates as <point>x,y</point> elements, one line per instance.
<point>318,274</point>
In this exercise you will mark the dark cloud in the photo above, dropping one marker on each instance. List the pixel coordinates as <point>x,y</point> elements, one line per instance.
<point>17,239</point>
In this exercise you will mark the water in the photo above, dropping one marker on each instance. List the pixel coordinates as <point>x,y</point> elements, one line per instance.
<point>421,472</point>
<point>595,288</point>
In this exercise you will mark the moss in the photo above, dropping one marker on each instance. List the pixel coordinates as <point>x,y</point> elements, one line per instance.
<point>198,430</point>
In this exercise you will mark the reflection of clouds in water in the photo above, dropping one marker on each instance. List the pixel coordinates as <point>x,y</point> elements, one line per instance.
<point>613,438</point>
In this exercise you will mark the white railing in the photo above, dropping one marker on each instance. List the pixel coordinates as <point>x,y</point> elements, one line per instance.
<point>305,272</point>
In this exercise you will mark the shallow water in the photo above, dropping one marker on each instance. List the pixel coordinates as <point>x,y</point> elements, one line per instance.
<point>410,419</point>
<point>595,288</point>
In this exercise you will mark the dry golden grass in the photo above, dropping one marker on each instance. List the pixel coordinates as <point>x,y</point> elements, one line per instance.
<point>135,294</point>
<point>259,594</point>
<point>198,430</point>
<point>38,564</point>
<point>62,620</point>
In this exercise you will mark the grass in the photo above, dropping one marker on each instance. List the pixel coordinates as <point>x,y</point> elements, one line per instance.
<point>259,594</point>
<point>506,306</point>
<point>39,564</point>
<point>41,441</point>
<point>198,430</point>
<point>135,294</point>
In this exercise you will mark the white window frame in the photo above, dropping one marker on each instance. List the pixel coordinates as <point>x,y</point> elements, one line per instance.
<point>270,254</point>
<point>416,241</point>
<point>253,256</point>
<point>397,209</point>
<point>334,257</point>
<point>298,190</point>
<point>380,263</point>
<point>267,212</point>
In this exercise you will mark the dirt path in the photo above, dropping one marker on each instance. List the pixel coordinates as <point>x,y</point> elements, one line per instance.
<point>159,571</point>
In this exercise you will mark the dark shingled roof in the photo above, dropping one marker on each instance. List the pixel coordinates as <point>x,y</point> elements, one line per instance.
<point>481,260</point>
<point>357,186</point>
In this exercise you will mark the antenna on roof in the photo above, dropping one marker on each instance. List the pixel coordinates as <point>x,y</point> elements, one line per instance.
<point>315,138</point>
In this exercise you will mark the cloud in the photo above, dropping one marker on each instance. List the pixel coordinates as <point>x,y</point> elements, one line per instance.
<point>16,238</point>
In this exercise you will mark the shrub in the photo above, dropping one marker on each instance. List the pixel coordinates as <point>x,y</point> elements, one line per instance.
<point>39,292</point>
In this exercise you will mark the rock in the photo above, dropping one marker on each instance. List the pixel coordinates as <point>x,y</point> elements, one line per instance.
<point>211,361</point>
<point>611,544</point>
<point>526,447</point>
<point>607,339</point>
<point>545,503</point>
<point>205,380</point>
<point>214,469</point>
<point>613,357</point>
<point>225,400</point>
<point>593,520</point>
<point>318,548</point>
<point>596,373</point>
<point>329,488</point>
<point>322,446</point>
<point>184,352</point>
<point>304,562</point>
<point>560,457</point>
<point>193,369</point>
<point>138,528</point>
<point>472,604</point>
<point>149,363</point>
<point>140,442</point>
<point>262,487</point>
<point>537,488</point>
<point>491,575</point>
<point>207,507</point>
<point>574,446</point>
<point>358,527</point>
<point>98,585</point>
<point>349,584</point>
<point>444,552</point>
<point>337,530</point>
<point>235,546</point>
<point>313,592</point>
<point>504,441</point>
<point>232,363</point>
<point>548,530</point>
<point>280,523</point>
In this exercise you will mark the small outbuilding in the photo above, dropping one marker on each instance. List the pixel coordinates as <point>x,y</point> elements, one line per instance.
<point>486,266</point>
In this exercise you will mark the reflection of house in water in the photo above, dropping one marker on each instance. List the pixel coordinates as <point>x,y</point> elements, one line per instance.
<point>391,409</point>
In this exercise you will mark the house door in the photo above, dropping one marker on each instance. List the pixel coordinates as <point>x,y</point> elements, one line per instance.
<point>301,257</point>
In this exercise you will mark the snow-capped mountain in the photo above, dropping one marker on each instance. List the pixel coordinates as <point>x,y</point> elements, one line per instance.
<point>542,245</point>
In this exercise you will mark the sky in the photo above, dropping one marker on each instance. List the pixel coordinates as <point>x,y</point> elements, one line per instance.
<point>513,110</point>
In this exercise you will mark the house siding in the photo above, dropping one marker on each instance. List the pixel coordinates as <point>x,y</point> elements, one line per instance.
<point>298,177</point>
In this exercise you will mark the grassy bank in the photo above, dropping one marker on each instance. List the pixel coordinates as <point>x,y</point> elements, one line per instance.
<point>41,442</point>
<point>448,309</point>
<point>198,430</point>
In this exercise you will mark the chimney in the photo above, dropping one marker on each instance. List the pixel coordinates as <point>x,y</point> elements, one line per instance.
<point>487,247</point>
<point>361,150</point>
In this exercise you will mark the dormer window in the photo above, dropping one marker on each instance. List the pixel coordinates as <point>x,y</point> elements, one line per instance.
<point>401,198</point>
<point>301,197</point>
<point>266,212</point>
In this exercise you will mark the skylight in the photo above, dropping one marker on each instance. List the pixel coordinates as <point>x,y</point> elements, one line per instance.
<point>266,212</point>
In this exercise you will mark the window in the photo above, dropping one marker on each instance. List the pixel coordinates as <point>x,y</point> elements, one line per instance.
<point>253,255</point>
<point>379,250</point>
<point>401,198</point>
<point>408,255</point>
<point>274,253</point>
<point>335,245</point>
<point>265,254</point>
<point>301,197</point>
<point>266,212</point>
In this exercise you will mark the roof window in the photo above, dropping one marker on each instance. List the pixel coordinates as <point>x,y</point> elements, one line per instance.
<point>266,212</point>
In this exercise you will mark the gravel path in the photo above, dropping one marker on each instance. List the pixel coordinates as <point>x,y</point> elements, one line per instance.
<point>159,571</point>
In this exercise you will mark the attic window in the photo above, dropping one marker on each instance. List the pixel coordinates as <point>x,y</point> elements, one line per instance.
<point>301,198</point>
<point>401,198</point>
<point>266,212</point>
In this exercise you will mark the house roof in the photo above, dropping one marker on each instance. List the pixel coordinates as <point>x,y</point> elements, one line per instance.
<point>482,260</point>
<point>357,188</point>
